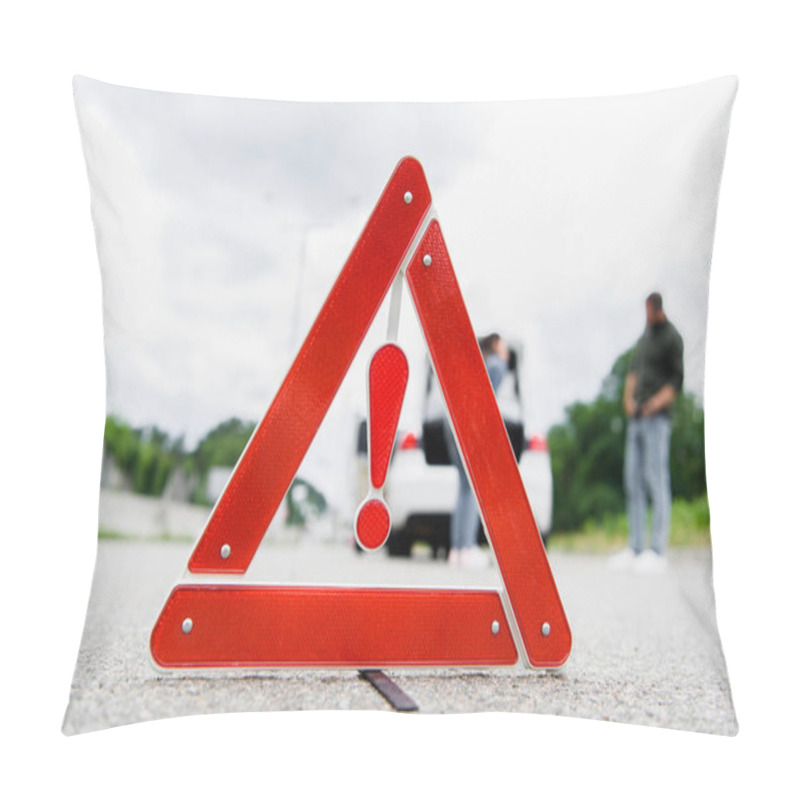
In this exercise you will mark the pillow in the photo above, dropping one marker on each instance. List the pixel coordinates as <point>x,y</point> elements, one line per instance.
<point>579,233</point>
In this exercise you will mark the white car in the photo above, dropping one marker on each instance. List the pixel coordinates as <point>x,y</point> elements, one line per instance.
<point>422,483</point>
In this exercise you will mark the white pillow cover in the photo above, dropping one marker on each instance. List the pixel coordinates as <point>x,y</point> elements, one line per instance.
<point>221,225</point>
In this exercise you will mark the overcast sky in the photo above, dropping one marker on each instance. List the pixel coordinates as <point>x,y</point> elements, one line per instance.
<point>223,223</point>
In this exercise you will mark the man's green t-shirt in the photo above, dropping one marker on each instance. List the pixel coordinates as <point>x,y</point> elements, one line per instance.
<point>657,361</point>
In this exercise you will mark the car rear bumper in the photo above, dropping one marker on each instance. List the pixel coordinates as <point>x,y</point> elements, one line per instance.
<point>417,489</point>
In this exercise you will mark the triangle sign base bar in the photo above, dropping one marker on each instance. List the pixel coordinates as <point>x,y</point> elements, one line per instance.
<point>232,625</point>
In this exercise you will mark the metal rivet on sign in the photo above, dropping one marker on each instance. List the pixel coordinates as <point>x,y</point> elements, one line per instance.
<point>186,625</point>
<point>408,197</point>
<point>427,260</point>
<point>225,550</point>
<point>546,629</point>
<point>495,627</point>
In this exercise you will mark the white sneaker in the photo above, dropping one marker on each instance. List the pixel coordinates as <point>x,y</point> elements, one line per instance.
<point>650,563</point>
<point>474,558</point>
<point>622,560</point>
<point>454,557</point>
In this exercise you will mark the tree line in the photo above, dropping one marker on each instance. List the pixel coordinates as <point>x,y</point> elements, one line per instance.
<point>586,451</point>
<point>147,457</point>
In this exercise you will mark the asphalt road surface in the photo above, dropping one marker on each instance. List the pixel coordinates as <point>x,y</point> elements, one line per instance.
<point>645,649</point>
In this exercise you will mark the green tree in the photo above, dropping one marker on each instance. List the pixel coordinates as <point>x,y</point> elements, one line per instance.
<point>220,447</point>
<point>688,448</point>
<point>304,501</point>
<point>587,453</point>
<point>145,455</point>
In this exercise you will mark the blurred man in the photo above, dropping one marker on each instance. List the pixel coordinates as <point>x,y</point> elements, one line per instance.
<point>651,386</point>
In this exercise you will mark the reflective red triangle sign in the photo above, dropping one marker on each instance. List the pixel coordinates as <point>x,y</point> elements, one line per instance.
<point>229,624</point>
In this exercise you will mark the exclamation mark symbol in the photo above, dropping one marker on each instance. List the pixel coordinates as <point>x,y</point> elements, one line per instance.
<point>388,376</point>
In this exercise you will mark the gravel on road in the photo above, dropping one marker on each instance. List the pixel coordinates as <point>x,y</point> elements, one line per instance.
<point>645,649</point>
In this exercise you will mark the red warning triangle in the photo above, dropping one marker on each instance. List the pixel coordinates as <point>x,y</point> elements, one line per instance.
<point>233,624</point>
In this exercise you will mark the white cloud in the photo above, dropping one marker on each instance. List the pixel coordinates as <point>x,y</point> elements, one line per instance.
<point>223,223</point>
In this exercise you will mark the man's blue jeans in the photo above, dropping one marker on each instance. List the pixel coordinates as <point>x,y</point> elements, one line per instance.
<point>647,475</point>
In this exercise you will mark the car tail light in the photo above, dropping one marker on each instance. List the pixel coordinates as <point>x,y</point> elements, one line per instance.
<point>538,444</point>
<point>409,441</point>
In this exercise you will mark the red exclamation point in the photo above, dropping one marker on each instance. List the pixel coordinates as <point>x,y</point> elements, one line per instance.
<point>388,376</point>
